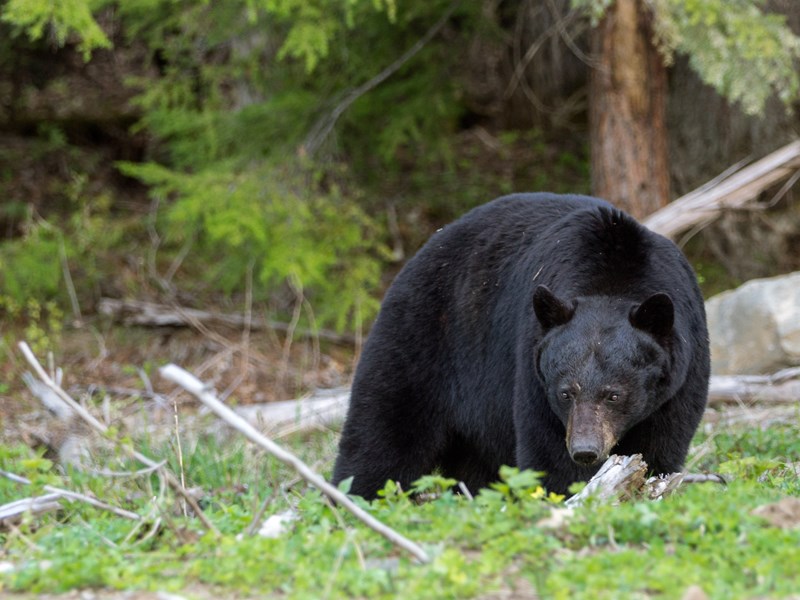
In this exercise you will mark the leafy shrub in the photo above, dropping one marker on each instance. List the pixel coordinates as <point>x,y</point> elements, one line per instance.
<point>319,243</point>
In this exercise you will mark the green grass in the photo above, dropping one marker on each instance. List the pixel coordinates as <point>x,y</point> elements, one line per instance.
<point>704,535</point>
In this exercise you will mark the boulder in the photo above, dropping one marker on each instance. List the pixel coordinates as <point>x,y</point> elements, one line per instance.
<point>755,328</point>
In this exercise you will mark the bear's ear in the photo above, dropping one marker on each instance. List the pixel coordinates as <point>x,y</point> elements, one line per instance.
<point>550,309</point>
<point>656,315</point>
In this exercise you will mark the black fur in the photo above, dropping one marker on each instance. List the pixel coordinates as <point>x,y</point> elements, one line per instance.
<point>459,373</point>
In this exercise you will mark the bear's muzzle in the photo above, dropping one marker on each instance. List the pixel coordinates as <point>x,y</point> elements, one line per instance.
<point>590,436</point>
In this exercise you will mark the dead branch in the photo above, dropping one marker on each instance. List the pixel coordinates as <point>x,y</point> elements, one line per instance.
<point>194,386</point>
<point>623,477</point>
<point>703,205</point>
<point>70,495</point>
<point>324,408</point>
<point>327,408</point>
<point>619,477</point>
<point>12,511</point>
<point>153,314</point>
<point>87,417</point>
<point>751,416</point>
<point>782,387</point>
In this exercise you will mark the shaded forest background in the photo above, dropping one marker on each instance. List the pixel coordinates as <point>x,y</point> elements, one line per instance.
<point>290,155</point>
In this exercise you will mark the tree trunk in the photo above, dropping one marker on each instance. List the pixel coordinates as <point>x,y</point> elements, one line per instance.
<point>628,90</point>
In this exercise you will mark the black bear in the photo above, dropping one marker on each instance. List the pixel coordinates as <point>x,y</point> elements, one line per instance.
<point>538,330</point>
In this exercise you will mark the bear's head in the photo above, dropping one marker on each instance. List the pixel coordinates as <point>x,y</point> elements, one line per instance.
<point>604,363</point>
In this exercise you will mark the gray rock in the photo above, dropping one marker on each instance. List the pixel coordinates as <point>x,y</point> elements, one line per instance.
<point>755,328</point>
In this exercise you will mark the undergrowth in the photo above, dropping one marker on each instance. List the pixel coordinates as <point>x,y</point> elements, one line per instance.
<point>705,534</point>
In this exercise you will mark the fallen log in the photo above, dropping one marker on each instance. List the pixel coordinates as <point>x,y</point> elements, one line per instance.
<point>153,314</point>
<point>782,387</point>
<point>323,409</point>
<point>727,191</point>
<point>623,477</point>
<point>12,512</point>
<point>619,478</point>
<point>751,417</point>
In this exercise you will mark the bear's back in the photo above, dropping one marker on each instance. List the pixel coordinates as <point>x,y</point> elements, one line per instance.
<point>485,241</point>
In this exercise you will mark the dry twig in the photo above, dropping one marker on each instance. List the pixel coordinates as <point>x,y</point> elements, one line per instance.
<point>152,314</point>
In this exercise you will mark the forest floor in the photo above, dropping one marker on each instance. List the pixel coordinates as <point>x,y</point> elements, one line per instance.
<point>508,543</point>
<point>106,362</point>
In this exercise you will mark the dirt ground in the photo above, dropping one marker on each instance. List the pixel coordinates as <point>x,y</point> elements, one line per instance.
<point>113,368</point>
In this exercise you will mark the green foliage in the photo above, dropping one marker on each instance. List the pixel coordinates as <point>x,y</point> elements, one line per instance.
<point>744,53</point>
<point>59,20</point>
<point>238,178</point>
<point>319,244</point>
<point>663,548</point>
<point>596,9</point>
<point>42,323</point>
<point>32,266</point>
<point>239,87</point>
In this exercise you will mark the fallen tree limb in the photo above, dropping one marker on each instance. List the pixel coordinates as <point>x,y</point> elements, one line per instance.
<point>36,505</point>
<point>328,408</point>
<point>194,386</point>
<point>87,417</point>
<point>703,205</point>
<point>153,314</point>
<point>619,477</point>
<point>70,495</point>
<point>733,400</point>
<point>623,477</point>
<point>325,408</point>
<point>751,416</point>
<point>782,387</point>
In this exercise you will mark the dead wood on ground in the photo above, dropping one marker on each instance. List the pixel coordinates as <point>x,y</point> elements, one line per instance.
<point>153,314</point>
<point>734,188</point>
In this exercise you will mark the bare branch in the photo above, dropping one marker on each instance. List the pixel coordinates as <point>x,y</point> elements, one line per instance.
<point>152,314</point>
<point>194,386</point>
<point>36,505</point>
<point>62,493</point>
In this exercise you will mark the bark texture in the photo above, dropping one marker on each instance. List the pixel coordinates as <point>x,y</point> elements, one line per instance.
<point>628,91</point>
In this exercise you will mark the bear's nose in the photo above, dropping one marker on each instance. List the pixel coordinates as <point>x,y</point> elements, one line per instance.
<point>585,455</point>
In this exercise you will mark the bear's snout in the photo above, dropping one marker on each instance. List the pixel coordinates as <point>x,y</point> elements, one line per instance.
<point>590,436</point>
<point>586,455</point>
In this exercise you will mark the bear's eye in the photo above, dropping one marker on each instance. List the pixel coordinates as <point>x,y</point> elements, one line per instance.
<point>612,396</point>
<point>564,395</point>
